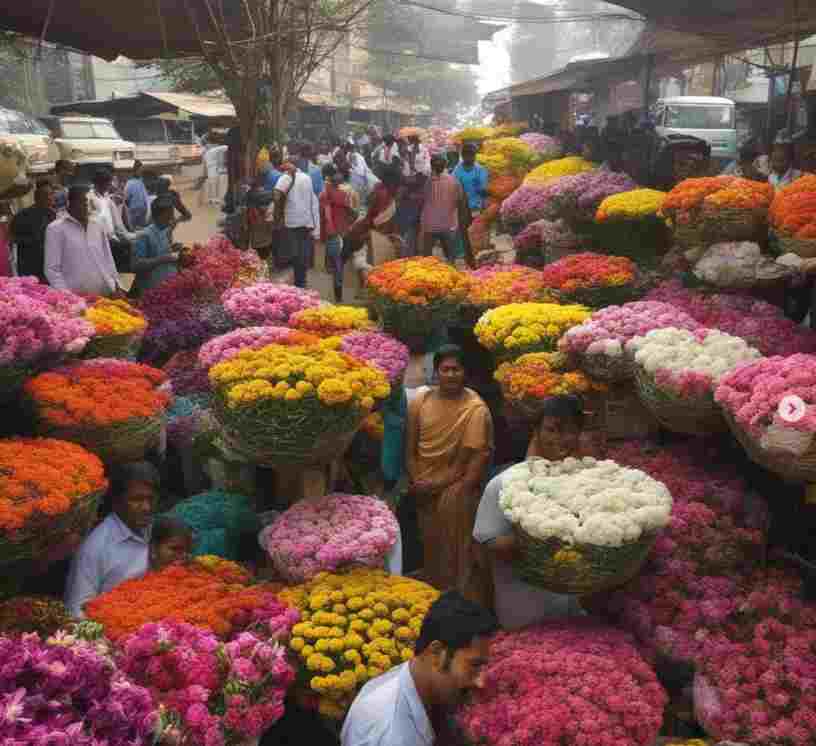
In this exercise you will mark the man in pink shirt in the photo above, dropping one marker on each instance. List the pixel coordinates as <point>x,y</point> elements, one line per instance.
<point>440,213</point>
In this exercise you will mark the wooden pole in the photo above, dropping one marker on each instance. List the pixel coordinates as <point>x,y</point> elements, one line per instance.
<point>789,98</point>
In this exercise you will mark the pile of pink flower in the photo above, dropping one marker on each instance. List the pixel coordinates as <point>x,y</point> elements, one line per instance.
<point>327,533</point>
<point>40,325</point>
<point>760,324</point>
<point>227,346</point>
<point>570,683</point>
<point>267,303</point>
<point>546,147</point>
<point>212,693</point>
<point>583,193</point>
<point>65,691</point>
<point>526,205</point>
<point>756,673</point>
<point>439,140</point>
<point>387,353</point>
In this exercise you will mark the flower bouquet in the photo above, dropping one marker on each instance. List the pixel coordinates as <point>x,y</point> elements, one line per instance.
<point>41,326</point>
<point>599,344</point>
<point>119,329</point>
<point>230,345</point>
<point>530,380</point>
<point>210,692</point>
<point>208,592</point>
<point>112,407</point>
<point>65,691</point>
<point>629,224</point>
<point>415,297</point>
<point>565,683</point>
<point>266,303</point>
<point>584,526</point>
<point>525,205</point>
<point>546,148</point>
<point>381,350</point>
<point>356,626</point>
<point>49,490</point>
<point>24,615</point>
<point>506,156</point>
<point>677,370</point>
<point>330,533</point>
<point>546,172</point>
<point>751,398</point>
<point>519,328</point>
<point>330,321</point>
<point>793,218</point>
<point>219,520</point>
<point>472,134</point>
<point>499,284</point>
<point>293,406</point>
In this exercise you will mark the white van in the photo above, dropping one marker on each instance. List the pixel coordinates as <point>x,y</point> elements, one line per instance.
<point>91,142</point>
<point>153,145</point>
<point>707,117</point>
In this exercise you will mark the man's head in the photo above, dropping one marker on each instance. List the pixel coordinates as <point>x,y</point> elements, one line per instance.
<point>468,154</point>
<point>137,169</point>
<point>413,139</point>
<point>64,170</point>
<point>389,139</point>
<point>135,489</point>
<point>103,181</point>
<point>391,177</point>
<point>449,366</point>
<point>438,164</point>
<point>453,648</point>
<point>43,193</point>
<point>171,541</point>
<point>330,172</point>
<point>78,202</point>
<point>162,210</point>
<point>559,427</point>
<point>748,153</point>
<point>306,151</point>
<point>164,184</point>
<point>782,157</point>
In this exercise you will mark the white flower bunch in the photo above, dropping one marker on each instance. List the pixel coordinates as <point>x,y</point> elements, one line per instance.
<point>707,352</point>
<point>584,501</point>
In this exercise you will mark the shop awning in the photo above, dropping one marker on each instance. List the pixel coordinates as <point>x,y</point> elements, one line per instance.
<point>150,104</point>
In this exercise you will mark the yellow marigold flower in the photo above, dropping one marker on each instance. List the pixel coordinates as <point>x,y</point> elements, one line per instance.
<point>297,644</point>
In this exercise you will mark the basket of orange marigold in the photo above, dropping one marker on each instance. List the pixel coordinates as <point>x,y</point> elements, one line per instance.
<point>208,592</point>
<point>793,218</point>
<point>114,408</point>
<point>49,491</point>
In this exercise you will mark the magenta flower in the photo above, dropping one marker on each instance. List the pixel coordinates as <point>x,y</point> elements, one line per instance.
<point>267,303</point>
<point>388,354</point>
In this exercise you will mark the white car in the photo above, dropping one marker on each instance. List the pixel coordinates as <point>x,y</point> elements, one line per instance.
<point>33,137</point>
<point>91,142</point>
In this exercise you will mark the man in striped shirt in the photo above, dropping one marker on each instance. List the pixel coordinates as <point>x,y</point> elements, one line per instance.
<point>440,213</point>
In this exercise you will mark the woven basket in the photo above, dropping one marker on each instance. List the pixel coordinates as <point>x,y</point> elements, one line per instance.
<point>602,297</point>
<point>697,416</point>
<point>117,444</point>
<point>122,346</point>
<point>795,468</point>
<point>643,241</point>
<point>412,325</point>
<point>579,569</point>
<point>734,224</point>
<point>605,368</point>
<point>803,247</point>
<point>43,532</point>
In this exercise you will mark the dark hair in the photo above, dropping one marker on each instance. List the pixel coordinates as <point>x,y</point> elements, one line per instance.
<point>438,158</point>
<point>469,147</point>
<point>137,164</point>
<point>748,152</point>
<point>123,474</point>
<point>455,622</point>
<point>164,202</point>
<point>565,407</point>
<point>166,527</point>
<point>329,171</point>
<point>103,176</point>
<point>391,176</point>
<point>42,184</point>
<point>446,351</point>
<point>77,191</point>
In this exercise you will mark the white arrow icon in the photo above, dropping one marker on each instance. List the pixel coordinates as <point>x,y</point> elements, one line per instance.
<point>791,408</point>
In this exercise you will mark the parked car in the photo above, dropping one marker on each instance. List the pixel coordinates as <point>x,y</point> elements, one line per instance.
<point>32,136</point>
<point>154,147</point>
<point>707,117</point>
<point>183,135</point>
<point>90,143</point>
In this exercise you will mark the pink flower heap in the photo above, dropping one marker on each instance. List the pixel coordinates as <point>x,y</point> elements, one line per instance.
<point>544,145</point>
<point>186,374</point>
<point>62,692</point>
<point>327,533</point>
<point>39,323</point>
<point>526,205</point>
<point>565,684</point>
<point>214,693</point>
<point>387,353</point>
<point>267,303</point>
<point>227,346</point>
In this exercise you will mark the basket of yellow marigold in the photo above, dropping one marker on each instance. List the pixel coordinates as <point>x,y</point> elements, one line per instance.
<point>328,321</point>
<point>631,224</point>
<point>415,298</point>
<point>497,285</point>
<point>355,626</point>
<point>520,328</point>
<point>294,406</point>
<point>119,329</point>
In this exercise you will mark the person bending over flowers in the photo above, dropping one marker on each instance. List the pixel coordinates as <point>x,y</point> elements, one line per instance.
<point>410,704</point>
<point>117,549</point>
<point>171,541</point>
<point>517,603</point>
<point>449,442</point>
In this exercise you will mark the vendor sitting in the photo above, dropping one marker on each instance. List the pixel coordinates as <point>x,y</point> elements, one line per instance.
<point>171,542</point>
<point>117,549</point>
<point>517,603</point>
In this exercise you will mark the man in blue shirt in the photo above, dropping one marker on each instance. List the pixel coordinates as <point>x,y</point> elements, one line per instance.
<point>472,177</point>
<point>273,173</point>
<point>136,198</point>
<point>154,259</point>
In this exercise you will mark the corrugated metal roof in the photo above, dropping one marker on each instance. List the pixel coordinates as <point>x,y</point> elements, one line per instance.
<point>200,106</point>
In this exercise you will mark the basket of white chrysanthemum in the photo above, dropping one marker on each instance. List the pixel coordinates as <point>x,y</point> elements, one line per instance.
<point>582,525</point>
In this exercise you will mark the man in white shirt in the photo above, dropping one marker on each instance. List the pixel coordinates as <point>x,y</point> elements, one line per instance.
<point>118,548</point>
<point>301,217</point>
<point>107,212</point>
<point>411,704</point>
<point>77,253</point>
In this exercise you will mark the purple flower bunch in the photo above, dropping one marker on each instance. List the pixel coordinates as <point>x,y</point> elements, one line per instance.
<point>267,303</point>
<point>326,533</point>
<point>387,353</point>
<point>214,694</point>
<point>546,147</point>
<point>39,323</point>
<point>526,205</point>
<point>186,374</point>
<point>69,695</point>
<point>227,346</point>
